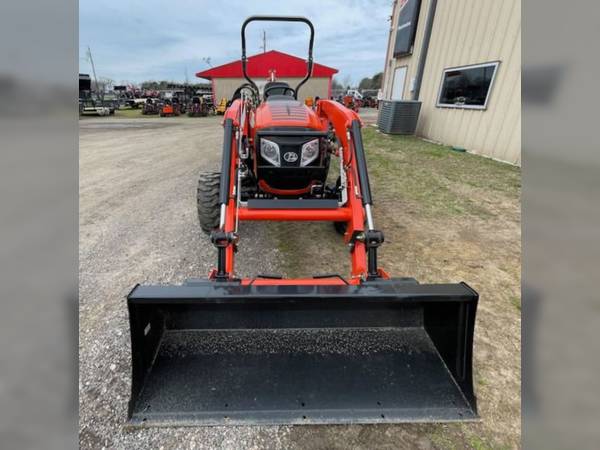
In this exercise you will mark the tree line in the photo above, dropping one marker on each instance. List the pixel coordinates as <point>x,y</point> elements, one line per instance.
<point>366,83</point>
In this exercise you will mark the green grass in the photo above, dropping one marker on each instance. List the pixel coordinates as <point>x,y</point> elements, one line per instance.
<point>443,441</point>
<point>131,113</point>
<point>477,443</point>
<point>434,178</point>
<point>461,436</point>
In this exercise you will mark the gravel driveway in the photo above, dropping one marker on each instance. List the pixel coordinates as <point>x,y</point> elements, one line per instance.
<point>138,224</point>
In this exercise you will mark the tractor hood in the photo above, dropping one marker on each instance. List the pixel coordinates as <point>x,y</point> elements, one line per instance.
<point>286,113</point>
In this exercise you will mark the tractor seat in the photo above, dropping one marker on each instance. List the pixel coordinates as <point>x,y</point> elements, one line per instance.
<point>278,97</point>
<point>277,90</point>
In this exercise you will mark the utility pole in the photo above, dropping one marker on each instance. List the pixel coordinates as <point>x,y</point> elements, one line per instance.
<point>264,46</point>
<point>93,68</point>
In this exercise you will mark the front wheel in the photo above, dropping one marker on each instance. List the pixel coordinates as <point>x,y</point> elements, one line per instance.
<point>208,200</point>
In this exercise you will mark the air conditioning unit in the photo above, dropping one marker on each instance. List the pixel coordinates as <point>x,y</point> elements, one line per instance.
<point>398,116</point>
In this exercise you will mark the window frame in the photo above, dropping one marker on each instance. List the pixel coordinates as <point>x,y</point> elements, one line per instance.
<point>483,107</point>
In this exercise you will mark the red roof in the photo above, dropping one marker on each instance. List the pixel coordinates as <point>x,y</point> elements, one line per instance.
<point>260,65</point>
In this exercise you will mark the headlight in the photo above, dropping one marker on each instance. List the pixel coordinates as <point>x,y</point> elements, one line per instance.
<point>270,151</point>
<point>310,151</point>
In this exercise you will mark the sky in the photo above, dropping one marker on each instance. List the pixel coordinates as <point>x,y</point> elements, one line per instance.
<point>138,40</point>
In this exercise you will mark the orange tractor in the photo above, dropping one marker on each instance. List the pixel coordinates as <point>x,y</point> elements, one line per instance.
<point>352,103</point>
<point>324,348</point>
<point>170,108</point>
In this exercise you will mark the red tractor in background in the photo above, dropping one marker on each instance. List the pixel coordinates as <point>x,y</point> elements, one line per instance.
<point>351,102</point>
<point>324,348</point>
<point>170,108</point>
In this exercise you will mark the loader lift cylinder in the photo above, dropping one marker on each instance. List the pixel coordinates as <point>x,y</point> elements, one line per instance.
<point>224,196</point>
<point>361,165</point>
<point>373,238</point>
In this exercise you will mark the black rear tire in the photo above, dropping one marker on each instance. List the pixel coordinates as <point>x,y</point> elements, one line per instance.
<point>208,200</point>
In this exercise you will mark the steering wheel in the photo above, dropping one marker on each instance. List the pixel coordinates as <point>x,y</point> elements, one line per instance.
<point>285,89</point>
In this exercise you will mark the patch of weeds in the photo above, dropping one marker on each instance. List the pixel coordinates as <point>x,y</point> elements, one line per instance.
<point>291,253</point>
<point>308,248</point>
<point>477,443</point>
<point>516,301</point>
<point>132,114</point>
<point>442,441</point>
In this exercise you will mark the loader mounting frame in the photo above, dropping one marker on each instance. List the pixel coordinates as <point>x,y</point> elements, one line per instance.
<point>356,212</point>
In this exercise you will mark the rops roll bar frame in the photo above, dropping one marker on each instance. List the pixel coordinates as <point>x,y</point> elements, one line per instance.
<point>279,19</point>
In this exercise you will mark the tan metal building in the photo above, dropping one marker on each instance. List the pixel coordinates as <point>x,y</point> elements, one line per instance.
<point>227,78</point>
<point>470,86</point>
<point>315,87</point>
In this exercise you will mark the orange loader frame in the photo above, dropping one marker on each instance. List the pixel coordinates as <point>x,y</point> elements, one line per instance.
<point>346,124</point>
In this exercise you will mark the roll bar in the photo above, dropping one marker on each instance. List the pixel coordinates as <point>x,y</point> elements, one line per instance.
<point>279,19</point>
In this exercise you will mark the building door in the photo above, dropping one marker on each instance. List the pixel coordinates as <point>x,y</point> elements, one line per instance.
<point>398,86</point>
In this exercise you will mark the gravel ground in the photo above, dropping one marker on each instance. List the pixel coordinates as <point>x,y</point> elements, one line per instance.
<point>138,224</point>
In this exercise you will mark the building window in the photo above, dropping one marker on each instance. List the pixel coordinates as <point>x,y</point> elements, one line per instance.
<point>407,27</point>
<point>467,87</point>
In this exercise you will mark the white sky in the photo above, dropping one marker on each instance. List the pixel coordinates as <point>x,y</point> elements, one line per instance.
<point>136,40</point>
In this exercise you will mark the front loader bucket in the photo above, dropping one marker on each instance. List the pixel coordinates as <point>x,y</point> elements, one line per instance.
<point>215,353</point>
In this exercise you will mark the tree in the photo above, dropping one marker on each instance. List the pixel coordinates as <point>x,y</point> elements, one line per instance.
<point>149,85</point>
<point>371,83</point>
<point>365,83</point>
<point>336,85</point>
<point>376,81</point>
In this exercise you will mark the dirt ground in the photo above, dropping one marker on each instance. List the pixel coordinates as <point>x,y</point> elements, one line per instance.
<point>447,216</point>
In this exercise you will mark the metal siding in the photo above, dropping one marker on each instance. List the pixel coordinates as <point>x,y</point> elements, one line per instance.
<point>469,32</point>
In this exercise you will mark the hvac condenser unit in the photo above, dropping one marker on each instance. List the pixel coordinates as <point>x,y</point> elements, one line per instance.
<point>398,116</point>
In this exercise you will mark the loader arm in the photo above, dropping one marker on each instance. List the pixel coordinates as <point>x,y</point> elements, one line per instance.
<point>355,213</point>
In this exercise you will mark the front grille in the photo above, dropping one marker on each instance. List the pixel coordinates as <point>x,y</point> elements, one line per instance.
<point>288,144</point>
